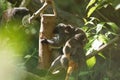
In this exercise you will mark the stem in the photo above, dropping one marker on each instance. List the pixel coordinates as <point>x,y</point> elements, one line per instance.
<point>30,56</point>
<point>103,47</point>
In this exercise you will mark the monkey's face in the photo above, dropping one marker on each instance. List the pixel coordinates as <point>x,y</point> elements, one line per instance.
<point>82,38</point>
<point>62,28</point>
<point>59,28</point>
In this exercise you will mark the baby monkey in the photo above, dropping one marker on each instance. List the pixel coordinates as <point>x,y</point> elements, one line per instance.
<point>73,52</point>
<point>73,41</point>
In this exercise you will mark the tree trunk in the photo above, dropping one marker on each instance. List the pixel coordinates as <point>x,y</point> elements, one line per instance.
<point>46,31</point>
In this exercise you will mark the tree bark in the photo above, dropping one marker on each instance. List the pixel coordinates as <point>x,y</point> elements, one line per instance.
<point>46,31</point>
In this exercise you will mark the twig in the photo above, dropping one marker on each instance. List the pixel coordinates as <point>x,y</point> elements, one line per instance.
<point>103,47</point>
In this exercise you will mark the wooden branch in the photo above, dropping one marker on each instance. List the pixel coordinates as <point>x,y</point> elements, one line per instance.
<point>63,16</point>
<point>103,47</point>
<point>46,31</point>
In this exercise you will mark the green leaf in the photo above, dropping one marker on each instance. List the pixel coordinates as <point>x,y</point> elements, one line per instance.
<point>99,27</point>
<point>91,10</point>
<point>103,38</point>
<point>28,56</point>
<point>113,26</point>
<point>85,28</point>
<point>90,3</point>
<point>89,51</point>
<point>100,54</point>
<point>88,45</point>
<point>91,62</point>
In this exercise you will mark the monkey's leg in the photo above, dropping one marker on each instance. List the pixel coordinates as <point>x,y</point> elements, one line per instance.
<point>55,64</point>
<point>72,66</point>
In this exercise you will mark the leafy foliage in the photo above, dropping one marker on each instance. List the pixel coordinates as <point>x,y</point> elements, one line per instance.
<point>3,5</point>
<point>19,43</point>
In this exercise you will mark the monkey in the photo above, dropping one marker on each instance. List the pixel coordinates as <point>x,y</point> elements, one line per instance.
<point>62,33</point>
<point>73,51</point>
<point>73,41</point>
<point>43,8</point>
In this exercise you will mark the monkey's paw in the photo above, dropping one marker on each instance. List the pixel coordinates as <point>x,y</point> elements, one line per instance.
<point>44,41</point>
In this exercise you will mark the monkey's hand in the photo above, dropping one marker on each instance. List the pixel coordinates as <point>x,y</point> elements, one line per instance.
<point>44,41</point>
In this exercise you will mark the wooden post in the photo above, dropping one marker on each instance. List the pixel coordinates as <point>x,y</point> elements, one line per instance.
<point>46,31</point>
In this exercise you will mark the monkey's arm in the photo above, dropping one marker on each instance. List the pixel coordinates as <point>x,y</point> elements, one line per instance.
<point>55,42</point>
